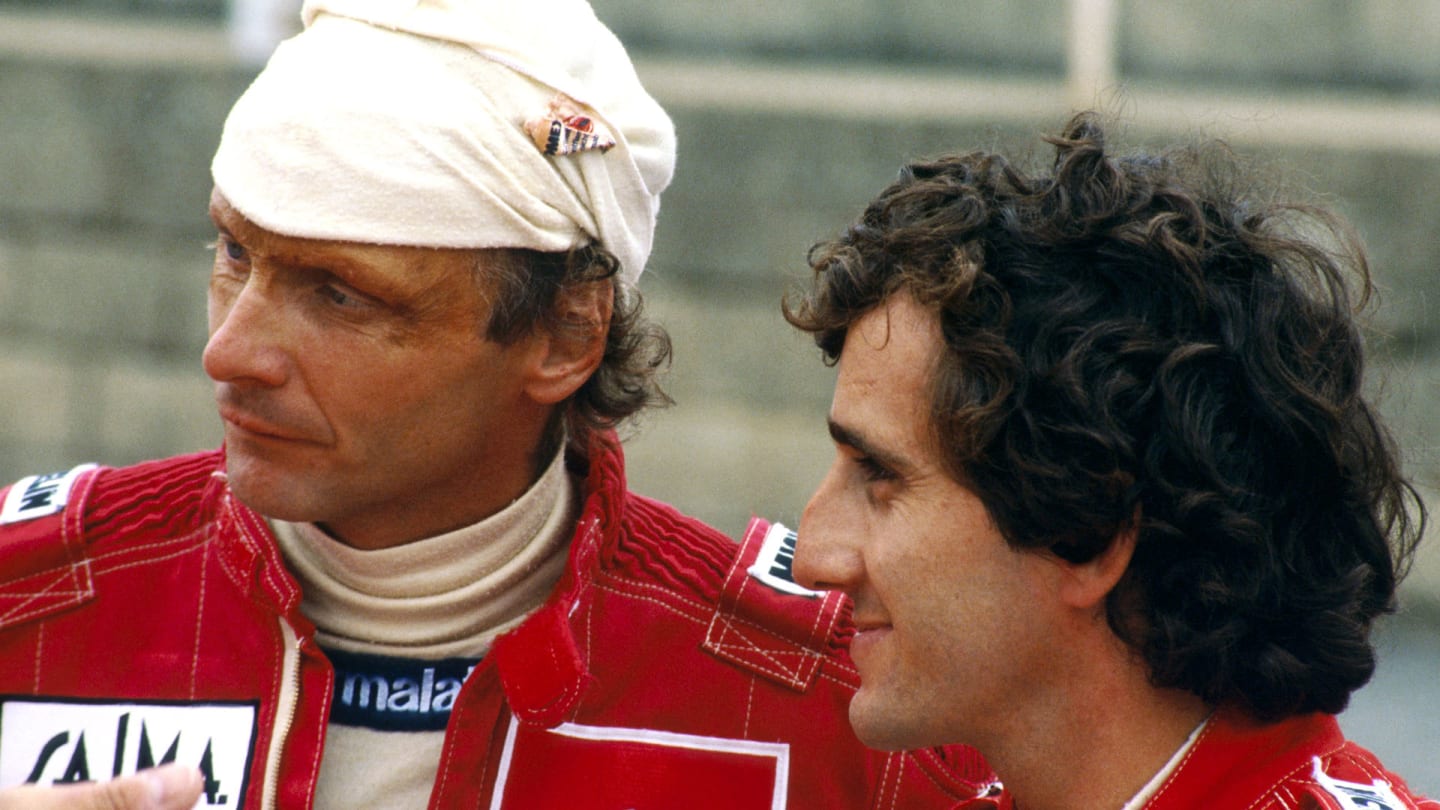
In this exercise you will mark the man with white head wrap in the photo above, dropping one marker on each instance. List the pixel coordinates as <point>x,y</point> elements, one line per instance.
<point>414,575</point>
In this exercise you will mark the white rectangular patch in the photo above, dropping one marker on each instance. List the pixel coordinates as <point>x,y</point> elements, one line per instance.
<point>49,741</point>
<point>39,495</point>
<point>1357,796</point>
<point>575,765</point>
<point>774,564</point>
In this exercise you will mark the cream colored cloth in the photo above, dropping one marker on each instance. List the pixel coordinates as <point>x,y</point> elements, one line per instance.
<point>445,596</point>
<point>403,122</point>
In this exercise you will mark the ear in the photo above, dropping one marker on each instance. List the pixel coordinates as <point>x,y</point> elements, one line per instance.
<point>572,346</point>
<point>1085,585</point>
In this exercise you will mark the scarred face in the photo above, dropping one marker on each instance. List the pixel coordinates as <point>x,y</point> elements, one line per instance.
<point>357,388</point>
<point>953,624</point>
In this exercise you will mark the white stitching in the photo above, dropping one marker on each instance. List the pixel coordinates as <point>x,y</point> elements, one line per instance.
<point>199,622</point>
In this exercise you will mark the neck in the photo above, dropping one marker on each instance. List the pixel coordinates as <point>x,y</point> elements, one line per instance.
<point>1096,742</point>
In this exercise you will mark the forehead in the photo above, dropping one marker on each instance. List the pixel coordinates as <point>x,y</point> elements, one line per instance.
<point>389,268</point>
<point>885,369</point>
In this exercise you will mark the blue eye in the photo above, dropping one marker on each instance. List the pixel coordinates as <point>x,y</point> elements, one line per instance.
<point>234,250</point>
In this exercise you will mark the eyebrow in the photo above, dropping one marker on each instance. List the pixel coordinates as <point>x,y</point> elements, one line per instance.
<point>852,438</point>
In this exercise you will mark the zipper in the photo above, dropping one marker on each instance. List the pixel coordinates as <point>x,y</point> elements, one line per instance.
<point>285,707</point>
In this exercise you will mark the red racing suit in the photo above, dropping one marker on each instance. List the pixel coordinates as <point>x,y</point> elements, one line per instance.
<point>147,616</point>
<point>1302,763</point>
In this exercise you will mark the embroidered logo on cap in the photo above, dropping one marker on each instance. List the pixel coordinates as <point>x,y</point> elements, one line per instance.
<point>566,129</point>
<point>775,563</point>
<point>57,741</point>
<point>1357,796</point>
<point>39,495</point>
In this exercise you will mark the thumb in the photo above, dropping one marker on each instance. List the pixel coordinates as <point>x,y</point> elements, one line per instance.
<point>168,787</point>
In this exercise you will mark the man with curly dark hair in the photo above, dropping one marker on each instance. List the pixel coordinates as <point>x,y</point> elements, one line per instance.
<point>1107,494</point>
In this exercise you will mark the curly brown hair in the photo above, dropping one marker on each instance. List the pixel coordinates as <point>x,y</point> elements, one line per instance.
<point>1141,342</point>
<point>528,286</point>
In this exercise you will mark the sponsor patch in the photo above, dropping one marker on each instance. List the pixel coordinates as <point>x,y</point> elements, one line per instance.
<point>575,765</point>
<point>39,495</point>
<point>1357,796</point>
<point>775,564</point>
<point>395,694</point>
<point>57,741</point>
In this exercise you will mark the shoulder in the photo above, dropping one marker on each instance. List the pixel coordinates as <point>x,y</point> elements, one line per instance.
<point>91,505</point>
<point>1300,762</point>
<point>1353,777</point>
<point>756,616</point>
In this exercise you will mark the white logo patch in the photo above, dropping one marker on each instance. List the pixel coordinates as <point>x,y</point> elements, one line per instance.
<point>39,495</point>
<point>1356,796</point>
<point>53,741</point>
<point>774,565</point>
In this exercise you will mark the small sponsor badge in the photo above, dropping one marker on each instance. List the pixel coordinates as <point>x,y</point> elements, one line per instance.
<point>56,741</point>
<point>775,563</point>
<point>575,765</point>
<point>567,129</point>
<point>395,694</point>
<point>1357,796</point>
<point>39,495</point>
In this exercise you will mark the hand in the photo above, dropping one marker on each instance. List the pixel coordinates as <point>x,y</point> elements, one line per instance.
<point>168,787</point>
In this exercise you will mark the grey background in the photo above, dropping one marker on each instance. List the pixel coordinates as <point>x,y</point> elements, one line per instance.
<point>790,114</point>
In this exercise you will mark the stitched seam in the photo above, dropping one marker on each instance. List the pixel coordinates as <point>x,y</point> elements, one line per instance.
<point>794,677</point>
<point>749,709</point>
<point>199,622</point>
<point>884,779</point>
<point>148,561</point>
<point>835,679</point>
<point>786,648</point>
<point>733,613</point>
<point>1279,784</point>
<point>277,677</point>
<point>899,777</point>
<point>447,755</point>
<point>93,562</point>
<point>946,788</point>
<point>613,584</point>
<point>792,647</point>
<point>1296,773</point>
<point>659,602</point>
<point>815,635</point>
<point>319,749</point>
<point>27,609</point>
<point>39,645</point>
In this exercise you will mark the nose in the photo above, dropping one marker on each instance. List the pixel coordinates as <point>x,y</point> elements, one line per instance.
<point>245,344</point>
<point>827,555</point>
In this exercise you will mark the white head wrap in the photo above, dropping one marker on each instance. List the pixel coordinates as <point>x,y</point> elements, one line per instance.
<point>403,122</point>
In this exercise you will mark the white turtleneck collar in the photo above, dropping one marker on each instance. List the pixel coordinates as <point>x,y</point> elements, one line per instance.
<point>442,596</point>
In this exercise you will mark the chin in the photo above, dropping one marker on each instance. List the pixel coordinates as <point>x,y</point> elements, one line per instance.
<point>880,726</point>
<point>268,493</point>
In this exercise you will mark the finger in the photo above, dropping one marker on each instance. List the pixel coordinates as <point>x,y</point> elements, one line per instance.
<point>168,787</point>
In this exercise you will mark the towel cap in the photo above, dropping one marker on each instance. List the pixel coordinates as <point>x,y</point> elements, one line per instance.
<point>451,123</point>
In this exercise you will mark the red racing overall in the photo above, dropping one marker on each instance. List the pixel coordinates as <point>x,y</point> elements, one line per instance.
<point>146,615</point>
